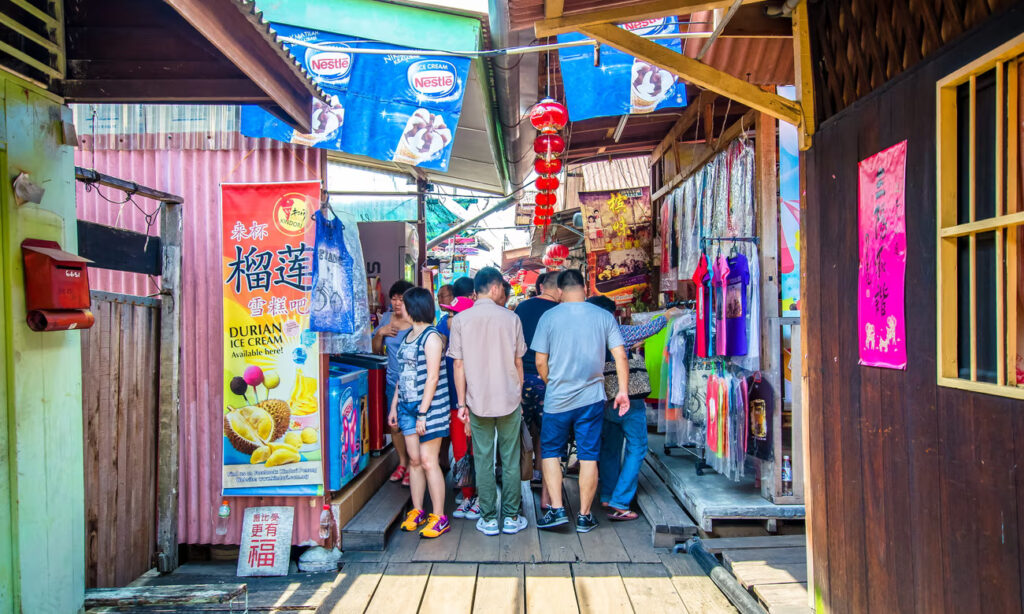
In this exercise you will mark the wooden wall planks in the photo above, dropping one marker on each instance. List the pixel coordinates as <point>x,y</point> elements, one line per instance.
<point>915,495</point>
<point>119,410</point>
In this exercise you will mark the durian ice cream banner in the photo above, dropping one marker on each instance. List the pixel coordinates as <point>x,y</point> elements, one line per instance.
<point>396,108</point>
<point>271,412</point>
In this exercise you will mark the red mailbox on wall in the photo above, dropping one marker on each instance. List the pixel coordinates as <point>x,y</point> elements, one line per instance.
<point>56,287</point>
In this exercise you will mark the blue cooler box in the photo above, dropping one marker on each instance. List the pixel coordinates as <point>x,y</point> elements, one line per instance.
<point>348,430</point>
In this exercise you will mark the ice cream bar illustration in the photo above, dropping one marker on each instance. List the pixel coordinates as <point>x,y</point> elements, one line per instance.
<point>424,136</point>
<point>650,85</point>
<point>327,119</point>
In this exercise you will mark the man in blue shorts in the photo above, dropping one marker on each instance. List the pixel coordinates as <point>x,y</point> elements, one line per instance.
<point>570,345</point>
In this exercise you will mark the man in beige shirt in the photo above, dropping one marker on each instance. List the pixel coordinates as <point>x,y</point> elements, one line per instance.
<point>487,345</point>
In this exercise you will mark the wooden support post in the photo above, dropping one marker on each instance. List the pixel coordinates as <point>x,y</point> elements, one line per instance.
<point>766,158</point>
<point>804,74</point>
<point>170,356</point>
<point>695,72</point>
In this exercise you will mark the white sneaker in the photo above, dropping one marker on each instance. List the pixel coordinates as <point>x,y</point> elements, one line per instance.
<point>487,527</point>
<point>514,525</point>
<point>469,508</point>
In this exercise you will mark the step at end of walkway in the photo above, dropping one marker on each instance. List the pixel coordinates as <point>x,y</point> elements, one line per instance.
<point>368,530</point>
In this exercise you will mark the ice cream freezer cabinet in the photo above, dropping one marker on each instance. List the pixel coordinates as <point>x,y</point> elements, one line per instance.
<point>348,428</point>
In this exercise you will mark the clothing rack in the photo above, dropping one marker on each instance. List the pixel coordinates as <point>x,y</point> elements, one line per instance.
<point>706,240</point>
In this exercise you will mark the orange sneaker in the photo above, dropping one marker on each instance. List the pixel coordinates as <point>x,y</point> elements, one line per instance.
<point>414,520</point>
<point>436,526</point>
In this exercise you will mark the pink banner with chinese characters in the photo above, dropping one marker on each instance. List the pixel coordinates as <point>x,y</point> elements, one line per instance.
<point>882,230</point>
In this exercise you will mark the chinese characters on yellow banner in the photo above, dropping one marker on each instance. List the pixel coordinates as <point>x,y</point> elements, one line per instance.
<point>271,409</point>
<point>618,242</point>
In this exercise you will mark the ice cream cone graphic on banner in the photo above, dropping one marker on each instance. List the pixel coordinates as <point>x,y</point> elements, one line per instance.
<point>648,87</point>
<point>425,135</point>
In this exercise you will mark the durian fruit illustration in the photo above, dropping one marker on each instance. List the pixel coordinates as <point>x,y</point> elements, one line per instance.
<point>252,427</point>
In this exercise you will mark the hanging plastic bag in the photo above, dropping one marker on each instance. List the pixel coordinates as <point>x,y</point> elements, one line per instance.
<point>332,296</point>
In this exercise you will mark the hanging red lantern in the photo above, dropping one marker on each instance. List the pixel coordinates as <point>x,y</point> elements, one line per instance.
<point>549,115</point>
<point>538,220</point>
<point>547,167</point>
<point>549,145</point>
<point>544,211</point>
<point>545,198</point>
<point>557,253</point>
<point>548,184</point>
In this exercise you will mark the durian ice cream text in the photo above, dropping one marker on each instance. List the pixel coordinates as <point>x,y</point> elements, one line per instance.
<point>648,87</point>
<point>425,135</point>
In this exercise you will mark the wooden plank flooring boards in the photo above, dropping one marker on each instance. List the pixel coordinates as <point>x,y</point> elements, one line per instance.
<point>635,536</point>
<point>559,545</point>
<point>446,547</point>
<point>353,588</point>
<point>549,588</point>
<point>783,598</point>
<point>499,590</point>
<point>525,545</point>
<point>601,544</point>
<point>599,589</point>
<point>767,555</point>
<point>650,589</point>
<point>718,544</point>
<point>450,589</point>
<point>401,589</point>
<point>698,592</point>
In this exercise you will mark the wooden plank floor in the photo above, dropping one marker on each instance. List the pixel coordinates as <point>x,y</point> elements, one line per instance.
<point>774,569</point>
<point>613,569</point>
<point>503,588</point>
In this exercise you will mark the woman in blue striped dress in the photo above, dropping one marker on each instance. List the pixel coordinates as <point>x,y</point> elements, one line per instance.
<point>420,409</point>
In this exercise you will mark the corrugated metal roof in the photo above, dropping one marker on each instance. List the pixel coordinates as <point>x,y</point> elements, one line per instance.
<point>196,175</point>
<point>764,61</point>
<point>614,174</point>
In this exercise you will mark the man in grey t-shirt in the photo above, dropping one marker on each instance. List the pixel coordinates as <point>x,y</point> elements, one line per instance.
<point>570,342</point>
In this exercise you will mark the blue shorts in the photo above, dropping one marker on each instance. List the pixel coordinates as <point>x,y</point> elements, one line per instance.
<point>407,415</point>
<point>584,421</point>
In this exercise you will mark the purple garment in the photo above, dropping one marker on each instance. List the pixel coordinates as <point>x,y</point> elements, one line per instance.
<point>736,306</point>
<point>719,279</point>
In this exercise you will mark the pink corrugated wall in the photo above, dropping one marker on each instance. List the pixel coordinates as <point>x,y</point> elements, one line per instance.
<point>196,175</point>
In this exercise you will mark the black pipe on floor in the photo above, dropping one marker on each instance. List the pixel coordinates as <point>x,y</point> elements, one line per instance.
<point>725,581</point>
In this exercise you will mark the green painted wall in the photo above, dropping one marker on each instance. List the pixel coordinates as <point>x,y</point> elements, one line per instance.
<point>42,532</point>
<point>391,23</point>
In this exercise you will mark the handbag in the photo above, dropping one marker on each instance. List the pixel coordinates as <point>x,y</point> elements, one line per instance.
<point>525,456</point>
<point>639,386</point>
<point>464,472</point>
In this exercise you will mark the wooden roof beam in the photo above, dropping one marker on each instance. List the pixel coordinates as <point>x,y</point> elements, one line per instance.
<point>687,119</point>
<point>226,26</point>
<point>697,73</point>
<point>652,9</point>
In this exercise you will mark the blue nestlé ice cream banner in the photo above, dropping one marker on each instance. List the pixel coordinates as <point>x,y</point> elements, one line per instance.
<point>621,84</point>
<point>398,108</point>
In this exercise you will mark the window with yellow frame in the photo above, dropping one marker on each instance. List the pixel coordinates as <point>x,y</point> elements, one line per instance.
<point>981,225</point>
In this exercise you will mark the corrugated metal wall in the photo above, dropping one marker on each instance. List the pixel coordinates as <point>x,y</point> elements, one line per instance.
<point>196,175</point>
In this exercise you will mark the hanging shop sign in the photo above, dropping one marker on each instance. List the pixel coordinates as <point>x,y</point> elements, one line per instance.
<point>618,240</point>
<point>883,259</point>
<point>626,84</point>
<point>271,412</point>
<point>405,108</point>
